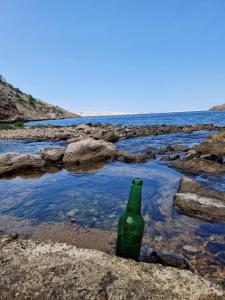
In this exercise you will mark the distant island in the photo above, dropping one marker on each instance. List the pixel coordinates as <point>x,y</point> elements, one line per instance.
<point>218,107</point>
<point>96,114</point>
<point>16,105</point>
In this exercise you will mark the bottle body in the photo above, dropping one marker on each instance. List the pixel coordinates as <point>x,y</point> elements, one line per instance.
<point>130,233</point>
<point>131,225</point>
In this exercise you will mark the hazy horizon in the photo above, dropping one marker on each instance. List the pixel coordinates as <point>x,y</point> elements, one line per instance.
<point>119,56</point>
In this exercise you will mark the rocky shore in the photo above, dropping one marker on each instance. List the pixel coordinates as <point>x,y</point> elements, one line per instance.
<point>49,270</point>
<point>109,133</point>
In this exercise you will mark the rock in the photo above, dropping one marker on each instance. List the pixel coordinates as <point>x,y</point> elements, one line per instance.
<point>198,165</point>
<point>53,154</point>
<point>110,137</point>
<point>49,270</point>
<point>214,145</point>
<point>88,150</point>
<point>14,161</point>
<point>190,248</point>
<point>150,255</point>
<point>190,154</point>
<point>188,185</point>
<point>83,127</point>
<point>129,157</point>
<point>152,151</point>
<point>180,148</point>
<point>170,156</point>
<point>195,200</point>
<point>97,131</point>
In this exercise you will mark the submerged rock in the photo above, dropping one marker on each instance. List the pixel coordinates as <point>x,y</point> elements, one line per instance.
<point>195,200</point>
<point>88,150</point>
<point>14,161</point>
<point>49,270</point>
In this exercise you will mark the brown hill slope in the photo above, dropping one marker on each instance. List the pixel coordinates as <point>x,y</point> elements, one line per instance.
<point>18,106</point>
<point>218,107</point>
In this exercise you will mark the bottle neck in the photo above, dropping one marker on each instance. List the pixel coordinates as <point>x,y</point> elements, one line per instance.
<point>134,202</point>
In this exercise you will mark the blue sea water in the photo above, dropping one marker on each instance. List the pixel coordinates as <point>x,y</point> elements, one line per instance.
<point>175,118</point>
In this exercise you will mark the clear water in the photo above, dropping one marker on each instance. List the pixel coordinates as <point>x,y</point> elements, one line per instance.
<point>179,118</point>
<point>27,145</point>
<point>96,198</point>
<point>137,145</point>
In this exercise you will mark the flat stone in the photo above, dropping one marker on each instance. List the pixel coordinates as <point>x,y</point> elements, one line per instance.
<point>195,200</point>
<point>48,270</point>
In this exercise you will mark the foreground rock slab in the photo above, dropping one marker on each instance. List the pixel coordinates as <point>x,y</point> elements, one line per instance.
<point>195,200</point>
<point>48,270</point>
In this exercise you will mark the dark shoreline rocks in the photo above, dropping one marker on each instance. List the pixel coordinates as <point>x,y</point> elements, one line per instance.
<point>49,270</point>
<point>194,200</point>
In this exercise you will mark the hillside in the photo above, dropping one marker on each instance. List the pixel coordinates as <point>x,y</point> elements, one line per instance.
<point>18,106</point>
<point>218,107</point>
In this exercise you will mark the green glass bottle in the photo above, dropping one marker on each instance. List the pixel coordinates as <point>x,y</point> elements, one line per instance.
<point>131,225</point>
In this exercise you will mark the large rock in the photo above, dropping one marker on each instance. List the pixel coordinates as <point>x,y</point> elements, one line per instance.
<point>88,150</point>
<point>212,146</point>
<point>53,154</point>
<point>48,270</point>
<point>197,165</point>
<point>195,200</point>
<point>13,161</point>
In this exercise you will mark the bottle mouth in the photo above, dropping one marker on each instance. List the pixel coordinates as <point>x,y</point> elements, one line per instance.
<point>137,181</point>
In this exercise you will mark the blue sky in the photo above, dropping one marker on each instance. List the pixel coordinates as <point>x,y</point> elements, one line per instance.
<point>116,55</point>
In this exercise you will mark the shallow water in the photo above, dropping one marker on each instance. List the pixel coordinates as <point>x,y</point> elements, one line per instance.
<point>137,145</point>
<point>176,118</point>
<point>27,145</point>
<point>96,198</point>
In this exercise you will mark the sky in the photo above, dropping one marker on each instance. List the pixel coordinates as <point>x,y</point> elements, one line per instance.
<point>116,55</point>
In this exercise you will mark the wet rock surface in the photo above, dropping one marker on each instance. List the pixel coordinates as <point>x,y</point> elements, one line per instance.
<point>195,200</point>
<point>48,270</point>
